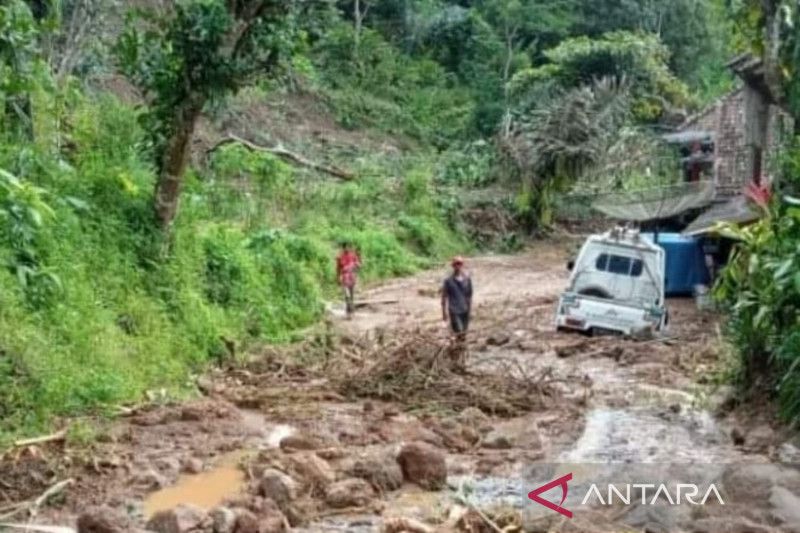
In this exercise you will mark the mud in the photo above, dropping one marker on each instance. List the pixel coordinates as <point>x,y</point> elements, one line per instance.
<point>612,403</point>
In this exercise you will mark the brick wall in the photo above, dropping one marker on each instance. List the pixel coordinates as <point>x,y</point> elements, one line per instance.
<point>726,118</point>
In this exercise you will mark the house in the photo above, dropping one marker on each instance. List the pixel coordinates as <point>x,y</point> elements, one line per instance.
<point>746,128</point>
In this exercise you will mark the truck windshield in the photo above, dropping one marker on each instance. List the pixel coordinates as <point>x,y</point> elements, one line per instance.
<point>619,264</point>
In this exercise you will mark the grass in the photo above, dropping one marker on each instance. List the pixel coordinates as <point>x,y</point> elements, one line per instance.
<point>105,309</point>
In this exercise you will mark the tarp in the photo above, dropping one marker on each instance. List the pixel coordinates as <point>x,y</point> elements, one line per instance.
<point>685,262</point>
<point>686,137</point>
<point>738,210</point>
<point>656,203</point>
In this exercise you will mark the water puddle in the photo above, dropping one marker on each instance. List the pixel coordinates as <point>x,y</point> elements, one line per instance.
<point>649,436</point>
<point>205,490</point>
<point>209,489</point>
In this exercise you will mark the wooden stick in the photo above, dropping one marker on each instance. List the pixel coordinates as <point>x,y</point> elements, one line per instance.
<point>59,435</point>
<point>283,153</point>
<point>42,529</point>
<point>49,493</point>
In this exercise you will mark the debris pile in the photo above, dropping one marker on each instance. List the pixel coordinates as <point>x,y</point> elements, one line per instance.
<point>424,370</point>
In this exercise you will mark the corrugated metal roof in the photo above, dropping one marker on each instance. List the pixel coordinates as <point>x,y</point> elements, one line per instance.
<point>738,210</point>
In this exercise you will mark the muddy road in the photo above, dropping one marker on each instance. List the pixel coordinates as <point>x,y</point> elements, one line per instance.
<point>365,428</point>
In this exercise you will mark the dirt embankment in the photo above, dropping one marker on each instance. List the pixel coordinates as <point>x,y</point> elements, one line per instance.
<point>368,426</point>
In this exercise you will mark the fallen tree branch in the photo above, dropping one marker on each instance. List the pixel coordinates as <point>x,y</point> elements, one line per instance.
<point>283,153</point>
<point>33,506</point>
<point>49,493</point>
<point>57,436</point>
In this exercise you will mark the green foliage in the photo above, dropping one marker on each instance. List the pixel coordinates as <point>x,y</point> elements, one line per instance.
<point>639,59</point>
<point>563,141</point>
<point>470,165</point>
<point>191,58</point>
<point>761,289</point>
<point>390,90</point>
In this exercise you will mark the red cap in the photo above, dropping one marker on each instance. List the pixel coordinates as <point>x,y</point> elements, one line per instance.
<point>457,260</point>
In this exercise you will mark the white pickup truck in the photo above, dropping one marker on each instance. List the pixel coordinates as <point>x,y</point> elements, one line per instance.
<point>616,286</point>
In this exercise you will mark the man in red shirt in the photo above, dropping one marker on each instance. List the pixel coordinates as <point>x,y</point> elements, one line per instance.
<point>347,265</point>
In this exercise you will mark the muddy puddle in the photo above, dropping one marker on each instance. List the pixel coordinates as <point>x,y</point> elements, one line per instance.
<point>226,478</point>
<point>205,490</point>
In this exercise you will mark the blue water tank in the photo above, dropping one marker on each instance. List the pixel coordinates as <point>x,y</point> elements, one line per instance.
<point>686,263</point>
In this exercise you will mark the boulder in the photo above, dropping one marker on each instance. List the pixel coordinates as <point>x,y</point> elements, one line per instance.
<point>312,469</point>
<point>379,469</point>
<point>102,520</point>
<point>302,441</point>
<point>473,417</point>
<point>246,522</point>
<point>760,438</point>
<point>786,507</point>
<point>277,486</point>
<point>424,465</point>
<point>181,519</point>
<point>150,479</point>
<point>353,492</point>
<point>223,519</point>
<point>788,453</point>
<point>192,465</point>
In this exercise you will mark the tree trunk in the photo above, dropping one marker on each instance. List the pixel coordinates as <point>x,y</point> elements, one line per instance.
<point>175,160</point>
<point>357,34</point>
<point>772,50</point>
<point>19,116</point>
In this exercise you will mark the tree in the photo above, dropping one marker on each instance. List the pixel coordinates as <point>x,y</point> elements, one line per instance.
<point>18,50</point>
<point>769,28</point>
<point>200,52</point>
<point>524,25</point>
<point>638,57</point>
<point>562,140</point>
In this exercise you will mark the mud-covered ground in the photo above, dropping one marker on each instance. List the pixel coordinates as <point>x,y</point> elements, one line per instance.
<point>300,437</point>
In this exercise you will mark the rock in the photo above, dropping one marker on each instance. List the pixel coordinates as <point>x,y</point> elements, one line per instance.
<point>302,441</point>
<point>279,487</point>
<point>205,385</point>
<point>675,408</point>
<point>269,519</point>
<point>495,441</point>
<point>102,520</point>
<point>786,507</point>
<point>181,519</point>
<point>516,433</point>
<point>380,470</point>
<point>470,435</point>
<point>760,438</point>
<point>473,417</point>
<point>168,464</point>
<point>424,465</point>
<point>312,469</point>
<point>500,339</point>
<point>150,479</point>
<point>246,522</point>
<point>788,453</point>
<point>192,465</point>
<point>224,520</point>
<point>353,492</point>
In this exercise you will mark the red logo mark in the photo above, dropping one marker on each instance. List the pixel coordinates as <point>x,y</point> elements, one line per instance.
<point>560,482</point>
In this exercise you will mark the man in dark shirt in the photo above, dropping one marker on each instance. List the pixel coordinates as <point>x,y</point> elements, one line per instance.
<point>457,299</point>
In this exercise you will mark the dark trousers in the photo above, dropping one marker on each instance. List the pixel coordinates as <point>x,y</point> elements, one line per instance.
<point>459,322</point>
<point>349,302</point>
